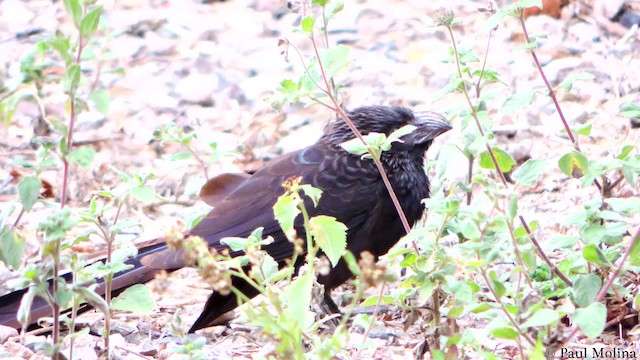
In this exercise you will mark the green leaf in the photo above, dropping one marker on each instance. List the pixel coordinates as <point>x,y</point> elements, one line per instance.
<point>74,9</point>
<point>591,320</point>
<point>518,101</point>
<point>504,333</point>
<point>307,24</point>
<point>567,83</point>
<point>29,190</point>
<point>592,254</point>
<point>355,146</point>
<point>322,3</point>
<point>529,172</point>
<point>298,296</point>
<point>470,230</point>
<point>627,206</point>
<point>183,155</point>
<point>235,243</point>
<point>585,289</point>
<point>542,317</point>
<point>71,79</point>
<point>136,298</point>
<point>396,135</point>
<point>285,211</point>
<point>333,60</point>
<point>505,161</point>
<point>82,157</point>
<point>573,164</point>
<point>312,192</point>
<point>90,22</point>
<point>335,6</point>
<point>584,129</point>
<point>498,285</point>
<point>95,300</point>
<point>143,193</point>
<point>101,100</point>
<point>634,256</point>
<point>630,110</point>
<point>331,236</point>
<point>11,248</point>
<point>24,311</point>
<point>626,150</point>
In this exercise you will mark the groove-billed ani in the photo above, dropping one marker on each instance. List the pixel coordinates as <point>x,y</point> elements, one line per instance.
<point>353,192</point>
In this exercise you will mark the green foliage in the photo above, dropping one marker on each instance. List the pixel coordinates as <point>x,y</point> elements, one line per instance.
<point>478,224</point>
<point>136,298</point>
<point>376,143</point>
<point>630,110</point>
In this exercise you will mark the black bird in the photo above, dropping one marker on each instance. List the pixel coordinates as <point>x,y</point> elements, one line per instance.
<point>353,192</point>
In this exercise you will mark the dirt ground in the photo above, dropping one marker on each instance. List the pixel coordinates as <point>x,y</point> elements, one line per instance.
<point>213,66</point>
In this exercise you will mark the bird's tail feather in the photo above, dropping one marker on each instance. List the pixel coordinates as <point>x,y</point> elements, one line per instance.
<point>10,303</point>
<point>217,305</point>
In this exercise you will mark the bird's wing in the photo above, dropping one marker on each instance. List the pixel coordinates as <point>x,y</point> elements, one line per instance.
<point>250,203</point>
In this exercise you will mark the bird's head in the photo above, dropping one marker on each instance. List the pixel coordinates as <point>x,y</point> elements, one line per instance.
<point>387,119</point>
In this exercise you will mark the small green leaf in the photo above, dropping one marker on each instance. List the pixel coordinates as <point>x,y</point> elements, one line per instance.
<point>584,130</point>
<point>505,161</point>
<point>396,135</point>
<point>322,3</point>
<point>355,146</point>
<point>331,236</point>
<point>625,151</point>
<point>312,192</point>
<point>101,100</point>
<point>585,289</point>
<point>136,298</point>
<point>95,300</point>
<point>333,61</point>
<point>591,320</point>
<point>542,317</point>
<point>285,211</point>
<point>24,311</point>
<point>335,6</point>
<point>504,333</point>
<point>498,286</point>
<point>567,83</point>
<point>143,193</point>
<point>82,157</point>
<point>352,263</point>
<point>29,190</point>
<point>573,164</point>
<point>71,79</point>
<point>298,296</point>
<point>634,256</point>
<point>518,101</point>
<point>630,110</point>
<point>592,254</point>
<point>183,155</point>
<point>90,22</point>
<point>307,24</point>
<point>11,248</point>
<point>74,9</point>
<point>470,230</point>
<point>529,172</point>
<point>627,206</point>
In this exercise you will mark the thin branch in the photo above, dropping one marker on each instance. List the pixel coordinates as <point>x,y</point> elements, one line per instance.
<point>552,93</point>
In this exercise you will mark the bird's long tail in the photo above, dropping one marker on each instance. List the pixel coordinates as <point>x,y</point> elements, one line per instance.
<point>10,303</point>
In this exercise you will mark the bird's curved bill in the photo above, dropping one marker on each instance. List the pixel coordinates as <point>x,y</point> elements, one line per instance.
<point>429,126</point>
